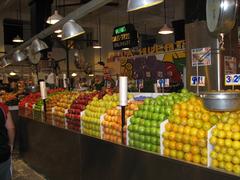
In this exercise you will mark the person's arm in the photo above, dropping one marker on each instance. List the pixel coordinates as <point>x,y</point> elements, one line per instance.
<point>11,130</point>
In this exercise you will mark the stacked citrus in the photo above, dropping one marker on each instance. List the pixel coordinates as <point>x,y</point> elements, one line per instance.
<point>226,143</point>
<point>185,135</point>
<point>112,122</point>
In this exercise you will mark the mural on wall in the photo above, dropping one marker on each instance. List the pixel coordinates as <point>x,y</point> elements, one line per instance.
<point>158,61</point>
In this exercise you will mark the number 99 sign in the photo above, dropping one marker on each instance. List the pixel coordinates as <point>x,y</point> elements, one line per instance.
<point>232,80</point>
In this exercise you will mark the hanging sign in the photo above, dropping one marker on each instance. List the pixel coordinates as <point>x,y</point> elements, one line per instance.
<point>124,37</point>
<point>200,81</point>
<point>232,80</point>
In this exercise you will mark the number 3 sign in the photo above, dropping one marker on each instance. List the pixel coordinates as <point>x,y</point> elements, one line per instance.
<point>232,80</point>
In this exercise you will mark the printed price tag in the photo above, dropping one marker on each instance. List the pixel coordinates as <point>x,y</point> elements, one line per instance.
<point>232,80</point>
<point>163,83</point>
<point>200,81</point>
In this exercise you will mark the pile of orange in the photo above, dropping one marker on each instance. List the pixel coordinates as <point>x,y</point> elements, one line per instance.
<point>112,123</point>
<point>185,135</point>
<point>226,143</point>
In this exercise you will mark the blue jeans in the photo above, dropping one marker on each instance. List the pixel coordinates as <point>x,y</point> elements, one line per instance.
<point>5,170</point>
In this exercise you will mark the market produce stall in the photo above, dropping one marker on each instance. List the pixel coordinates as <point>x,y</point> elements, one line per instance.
<point>163,130</point>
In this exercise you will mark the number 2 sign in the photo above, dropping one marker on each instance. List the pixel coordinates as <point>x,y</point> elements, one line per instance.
<point>232,80</point>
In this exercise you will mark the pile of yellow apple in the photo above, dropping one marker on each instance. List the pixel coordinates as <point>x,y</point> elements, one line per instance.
<point>64,103</point>
<point>226,143</point>
<point>91,118</point>
<point>185,135</point>
<point>112,123</point>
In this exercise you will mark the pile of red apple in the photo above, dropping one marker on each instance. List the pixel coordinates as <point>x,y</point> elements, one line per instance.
<point>74,113</point>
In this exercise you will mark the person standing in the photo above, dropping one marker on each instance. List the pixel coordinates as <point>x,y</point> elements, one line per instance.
<point>7,134</point>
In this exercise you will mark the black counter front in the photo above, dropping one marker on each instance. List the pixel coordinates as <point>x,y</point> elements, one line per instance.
<point>60,154</point>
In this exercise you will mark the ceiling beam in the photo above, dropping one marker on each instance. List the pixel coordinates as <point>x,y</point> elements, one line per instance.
<point>75,15</point>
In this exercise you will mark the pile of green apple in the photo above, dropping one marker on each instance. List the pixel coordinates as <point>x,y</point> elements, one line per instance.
<point>91,124</point>
<point>144,130</point>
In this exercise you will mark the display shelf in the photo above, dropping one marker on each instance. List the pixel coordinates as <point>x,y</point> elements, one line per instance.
<point>91,158</point>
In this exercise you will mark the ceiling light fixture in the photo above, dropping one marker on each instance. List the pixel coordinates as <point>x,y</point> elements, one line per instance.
<point>97,46</point>
<point>18,39</point>
<point>125,49</point>
<point>74,74</point>
<point>19,56</point>
<point>58,31</point>
<point>91,75</point>
<point>12,73</point>
<point>71,29</point>
<point>165,29</point>
<point>134,5</point>
<point>53,19</point>
<point>59,35</point>
<point>38,45</point>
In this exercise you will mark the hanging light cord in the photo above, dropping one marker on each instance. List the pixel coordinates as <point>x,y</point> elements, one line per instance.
<point>165,14</point>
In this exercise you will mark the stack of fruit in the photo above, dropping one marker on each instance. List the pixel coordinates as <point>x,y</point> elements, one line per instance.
<point>226,143</point>
<point>74,113</point>
<point>144,130</point>
<point>38,113</point>
<point>185,135</point>
<point>112,123</point>
<point>50,104</point>
<point>91,119</point>
<point>26,104</point>
<point>61,107</point>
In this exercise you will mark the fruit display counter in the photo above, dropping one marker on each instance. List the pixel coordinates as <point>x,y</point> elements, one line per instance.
<point>174,126</point>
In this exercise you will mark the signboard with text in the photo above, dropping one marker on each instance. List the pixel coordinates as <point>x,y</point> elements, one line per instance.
<point>200,80</point>
<point>232,80</point>
<point>124,36</point>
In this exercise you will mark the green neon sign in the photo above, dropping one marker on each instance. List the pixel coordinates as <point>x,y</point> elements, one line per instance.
<point>120,30</point>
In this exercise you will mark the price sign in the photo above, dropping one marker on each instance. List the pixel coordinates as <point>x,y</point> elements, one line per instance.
<point>163,83</point>
<point>200,80</point>
<point>232,80</point>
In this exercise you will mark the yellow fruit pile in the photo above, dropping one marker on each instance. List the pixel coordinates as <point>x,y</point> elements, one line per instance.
<point>185,135</point>
<point>226,143</point>
<point>64,103</point>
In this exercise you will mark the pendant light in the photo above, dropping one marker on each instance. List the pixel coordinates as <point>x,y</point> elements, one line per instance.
<point>12,73</point>
<point>53,19</point>
<point>134,5</point>
<point>38,45</point>
<point>19,56</point>
<point>18,39</point>
<point>71,29</point>
<point>165,29</point>
<point>97,45</point>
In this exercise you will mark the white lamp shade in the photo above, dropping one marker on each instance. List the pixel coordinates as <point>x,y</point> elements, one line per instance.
<point>71,29</point>
<point>54,18</point>
<point>17,39</point>
<point>58,31</point>
<point>165,30</point>
<point>38,45</point>
<point>19,56</point>
<point>134,5</point>
<point>96,45</point>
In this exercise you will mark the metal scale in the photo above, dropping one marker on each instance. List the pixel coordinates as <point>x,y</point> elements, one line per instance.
<point>221,18</point>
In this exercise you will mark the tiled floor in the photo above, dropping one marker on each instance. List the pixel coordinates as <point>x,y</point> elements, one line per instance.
<point>21,171</point>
